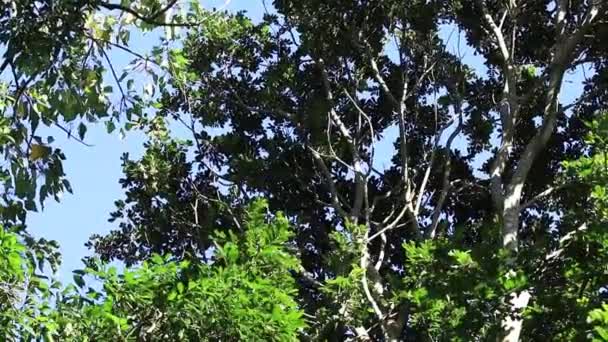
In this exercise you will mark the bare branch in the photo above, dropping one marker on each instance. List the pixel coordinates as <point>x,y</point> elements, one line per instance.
<point>378,77</point>
<point>427,173</point>
<point>114,75</point>
<point>539,196</point>
<point>151,19</point>
<point>386,229</point>
<point>6,62</point>
<point>71,136</point>
<point>400,109</point>
<point>371,129</point>
<point>446,185</point>
<point>496,30</point>
<point>563,241</point>
<point>360,177</point>
<point>329,182</point>
<point>334,116</point>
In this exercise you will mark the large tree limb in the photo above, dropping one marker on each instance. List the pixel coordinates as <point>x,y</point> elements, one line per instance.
<point>360,177</point>
<point>508,108</point>
<point>563,55</point>
<point>364,264</point>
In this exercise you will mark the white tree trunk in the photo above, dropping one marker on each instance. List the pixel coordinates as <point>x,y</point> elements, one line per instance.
<point>512,325</point>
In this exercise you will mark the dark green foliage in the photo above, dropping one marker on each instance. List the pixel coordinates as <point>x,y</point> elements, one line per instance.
<point>274,88</point>
<point>488,214</point>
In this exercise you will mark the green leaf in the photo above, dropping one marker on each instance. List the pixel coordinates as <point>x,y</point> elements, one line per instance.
<point>38,151</point>
<point>110,126</point>
<point>82,130</point>
<point>78,280</point>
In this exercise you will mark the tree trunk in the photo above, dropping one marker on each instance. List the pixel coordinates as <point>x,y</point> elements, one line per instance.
<point>510,216</point>
<point>512,324</point>
<point>395,324</point>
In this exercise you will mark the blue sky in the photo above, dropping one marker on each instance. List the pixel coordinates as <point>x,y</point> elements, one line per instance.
<point>94,171</point>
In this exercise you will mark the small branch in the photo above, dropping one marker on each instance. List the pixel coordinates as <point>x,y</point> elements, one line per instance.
<point>360,177</point>
<point>126,49</point>
<point>329,182</point>
<point>446,185</point>
<point>380,79</point>
<point>116,79</point>
<point>502,20</point>
<point>427,173</point>
<point>371,129</point>
<point>393,224</point>
<point>563,241</point>
<point>151,19</point>
<point>500,39</point>
<point>545,193</point>
<point>70,136</point>
<point>334,116</point>
<point>6,62</point>
<point>209,199</point>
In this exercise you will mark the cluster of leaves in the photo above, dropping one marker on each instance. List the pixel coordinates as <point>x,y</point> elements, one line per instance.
<point>54,79</point>
<point>12,275</point>
<point>24,293</point>
<point>246,293</point>
<point>586,256</point>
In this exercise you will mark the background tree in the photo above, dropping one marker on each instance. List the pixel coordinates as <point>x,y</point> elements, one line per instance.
<point>306,96</point>
<point>486,224</point>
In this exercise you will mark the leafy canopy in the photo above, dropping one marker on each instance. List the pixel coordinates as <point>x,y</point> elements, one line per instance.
<point>247,293</point>
<point>483,219</point>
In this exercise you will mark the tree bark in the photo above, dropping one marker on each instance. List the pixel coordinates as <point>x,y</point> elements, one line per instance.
<point>513,324</point>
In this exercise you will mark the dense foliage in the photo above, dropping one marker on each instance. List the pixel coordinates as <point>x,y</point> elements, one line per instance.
<point>444,177</point>
<point>246,294</point>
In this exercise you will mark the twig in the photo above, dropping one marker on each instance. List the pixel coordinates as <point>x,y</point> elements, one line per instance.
<point>542,194</point>
<point>70,136</point>
<point>152,19</point>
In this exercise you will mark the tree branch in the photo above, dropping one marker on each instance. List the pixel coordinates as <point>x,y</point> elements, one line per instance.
<point>360,177</point>
<point>151,19</point>
<point>545,193</point>
<point>563,55</point>
<point>329,182</point>
<point>446,185</point>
